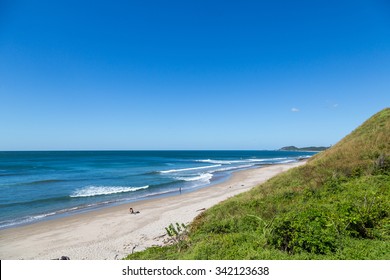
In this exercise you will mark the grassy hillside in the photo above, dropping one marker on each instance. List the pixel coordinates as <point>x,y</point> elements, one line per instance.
<point>337,206</point>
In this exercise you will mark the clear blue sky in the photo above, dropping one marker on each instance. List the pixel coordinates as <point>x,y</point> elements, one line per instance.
<point>125,74</point>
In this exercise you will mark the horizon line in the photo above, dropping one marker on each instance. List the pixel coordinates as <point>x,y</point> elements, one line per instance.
<point>137,150</point>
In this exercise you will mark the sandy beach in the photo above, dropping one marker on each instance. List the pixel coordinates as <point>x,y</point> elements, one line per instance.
<point>112,233</point>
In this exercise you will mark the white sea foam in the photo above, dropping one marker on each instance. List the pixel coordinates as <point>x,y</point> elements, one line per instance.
<point>231,161</point>
<point>303,157</point>
<point>104,190</point>
<point>24,220</point>
<point>258,160</point>
<point>206,177</point>
<point>288,161</point>
<point>215,161</point>
<point>189,169</point>
<point>234,167</point>
<point>9,223</point>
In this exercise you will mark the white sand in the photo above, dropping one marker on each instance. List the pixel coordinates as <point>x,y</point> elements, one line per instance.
<point>113,233</point>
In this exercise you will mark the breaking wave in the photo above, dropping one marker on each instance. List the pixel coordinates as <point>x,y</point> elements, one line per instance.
<point>230,161</point>
<point>234,167</point>
<point>104,190</point>
<point>206,177</point>
<point>189,169</point>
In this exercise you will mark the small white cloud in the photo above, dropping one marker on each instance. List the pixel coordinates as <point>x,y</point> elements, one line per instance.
<point>294,110</point>
<point>335,105</point>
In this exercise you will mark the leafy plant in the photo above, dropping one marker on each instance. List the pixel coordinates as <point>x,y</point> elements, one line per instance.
<point>310,230</point>
<point>177,234</point>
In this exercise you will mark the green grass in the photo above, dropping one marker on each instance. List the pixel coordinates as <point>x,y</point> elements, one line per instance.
<point>337,206</point>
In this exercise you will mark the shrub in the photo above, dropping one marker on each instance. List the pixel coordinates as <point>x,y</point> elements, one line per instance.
<point>310,230</point>
<point>362,215</point>
<point>177,234</point>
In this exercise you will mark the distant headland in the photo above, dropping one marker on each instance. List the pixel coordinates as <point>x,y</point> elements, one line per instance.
<point>304,149</point>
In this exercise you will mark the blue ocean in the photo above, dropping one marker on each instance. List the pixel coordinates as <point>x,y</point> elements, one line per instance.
<point>36,186</point>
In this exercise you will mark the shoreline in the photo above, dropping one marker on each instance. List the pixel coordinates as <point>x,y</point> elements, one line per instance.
<point>113,233</point>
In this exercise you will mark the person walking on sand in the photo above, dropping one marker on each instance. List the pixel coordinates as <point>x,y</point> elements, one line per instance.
<point>133,212</point>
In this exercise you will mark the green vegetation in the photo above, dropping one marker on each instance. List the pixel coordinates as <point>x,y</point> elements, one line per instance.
<point>337,206</point>
<point>307,149</point>
<point>177,233</point>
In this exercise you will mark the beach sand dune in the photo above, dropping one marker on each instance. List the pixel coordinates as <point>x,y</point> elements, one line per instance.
<point>113,233</point>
